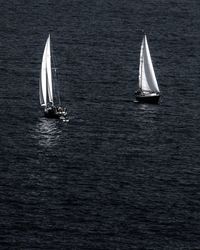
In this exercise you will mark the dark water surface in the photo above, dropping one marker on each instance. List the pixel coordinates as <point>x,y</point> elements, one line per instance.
<point>119,175</point>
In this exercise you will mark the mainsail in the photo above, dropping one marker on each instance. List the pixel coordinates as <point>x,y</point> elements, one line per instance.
<point>147,78</point>
<point>45,87</point>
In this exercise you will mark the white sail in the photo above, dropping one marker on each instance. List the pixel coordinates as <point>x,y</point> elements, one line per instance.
<point>49,72</point>
<point>147,78</point>
<point>46,90</point>
<point>43,80</point>
<point>141,64</point>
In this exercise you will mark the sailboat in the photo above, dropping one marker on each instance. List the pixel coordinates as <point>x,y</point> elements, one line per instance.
<point>148,91</point>
<point>47,87</point>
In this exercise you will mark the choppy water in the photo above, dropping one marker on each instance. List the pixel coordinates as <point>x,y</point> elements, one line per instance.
<point>119,175</point>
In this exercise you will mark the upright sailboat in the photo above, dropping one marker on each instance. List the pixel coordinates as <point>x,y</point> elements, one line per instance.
<point>148,91</point>
<point>47,86</point>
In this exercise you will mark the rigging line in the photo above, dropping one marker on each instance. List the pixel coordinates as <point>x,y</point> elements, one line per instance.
<point>56,88</point>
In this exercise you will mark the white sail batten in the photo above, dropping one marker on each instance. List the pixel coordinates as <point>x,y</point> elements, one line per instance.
<point>147,78</point>
<point>46,90</point>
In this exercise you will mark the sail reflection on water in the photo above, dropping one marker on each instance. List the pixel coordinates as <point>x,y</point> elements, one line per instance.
<point>148,108</point>
<point>47,132</point>
<point>148,115</point>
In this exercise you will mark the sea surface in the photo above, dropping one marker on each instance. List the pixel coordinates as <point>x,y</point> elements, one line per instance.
<point>119,175</point>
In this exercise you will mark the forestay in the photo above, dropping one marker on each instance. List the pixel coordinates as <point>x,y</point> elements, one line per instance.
<point>147,78</point>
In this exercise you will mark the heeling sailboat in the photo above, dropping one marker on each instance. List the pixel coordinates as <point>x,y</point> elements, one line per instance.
<point>47,86</point>
<point>148,91</point>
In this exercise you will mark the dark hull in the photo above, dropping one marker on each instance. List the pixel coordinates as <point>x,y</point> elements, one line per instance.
<point>147,99</point>
<point>54,113</point>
